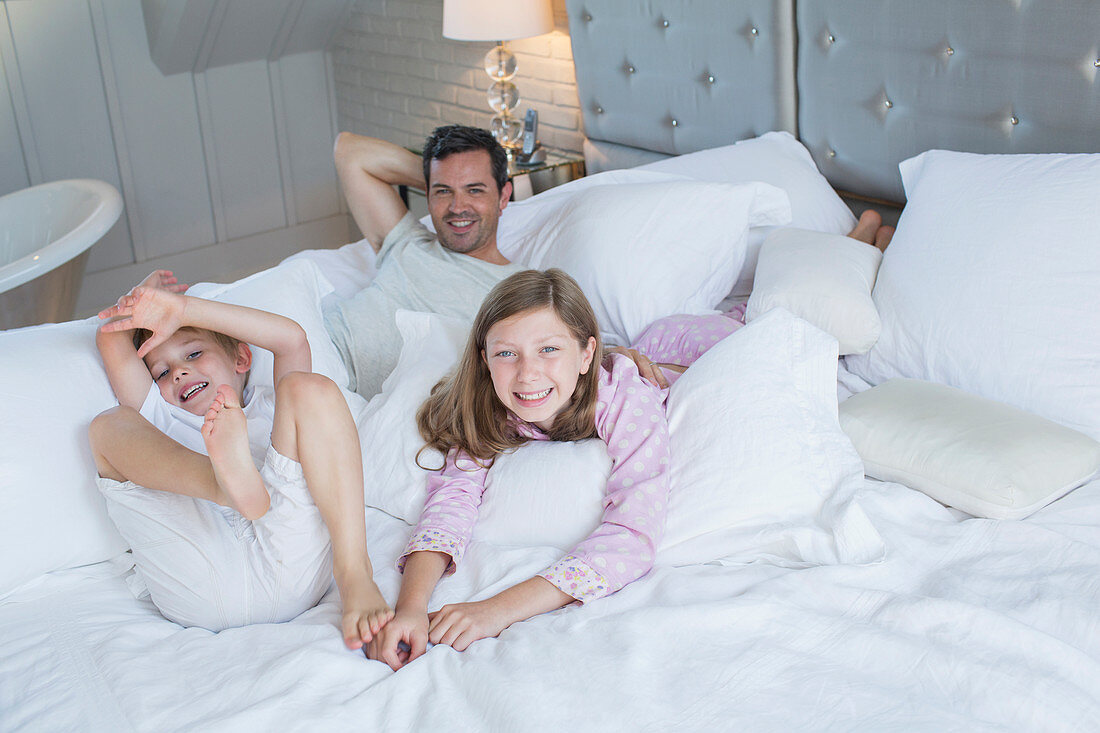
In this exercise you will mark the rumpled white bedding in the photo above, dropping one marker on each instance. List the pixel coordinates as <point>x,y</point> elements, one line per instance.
<point>967,624</point>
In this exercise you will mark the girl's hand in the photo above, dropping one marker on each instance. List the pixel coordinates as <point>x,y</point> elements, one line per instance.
<point>401,640</point>
<point>162,280</point>
<point>460,624</point>
<point>647,369</point>
<point>159,311</point>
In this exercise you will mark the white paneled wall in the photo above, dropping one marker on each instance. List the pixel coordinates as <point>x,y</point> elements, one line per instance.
<point>222,172</point>
<point>397,77</point>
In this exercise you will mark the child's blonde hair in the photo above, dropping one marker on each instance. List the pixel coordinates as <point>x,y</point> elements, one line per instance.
<point>463,410</point>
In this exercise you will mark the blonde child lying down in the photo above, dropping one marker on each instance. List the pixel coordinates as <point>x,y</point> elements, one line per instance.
<point>217,542</point>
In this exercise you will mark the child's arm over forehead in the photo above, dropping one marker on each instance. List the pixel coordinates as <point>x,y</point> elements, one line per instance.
<point>163,313</point>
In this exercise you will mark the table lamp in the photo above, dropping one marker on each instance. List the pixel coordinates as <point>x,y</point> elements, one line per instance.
<point>500,21</point>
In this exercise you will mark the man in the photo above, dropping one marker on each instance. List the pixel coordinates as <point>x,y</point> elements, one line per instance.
<point>464,172</point>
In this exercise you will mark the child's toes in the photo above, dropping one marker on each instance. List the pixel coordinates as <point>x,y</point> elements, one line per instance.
<point>227,396</point>
<point>380,619</point>
<point>352,638</point>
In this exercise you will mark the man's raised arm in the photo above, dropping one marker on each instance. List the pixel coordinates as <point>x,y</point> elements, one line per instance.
<point>369,168</point>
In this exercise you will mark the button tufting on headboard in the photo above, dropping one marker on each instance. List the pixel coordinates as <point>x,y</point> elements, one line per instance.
<point>651,57</point>
<point>979,75</point>
<point>950,67</point>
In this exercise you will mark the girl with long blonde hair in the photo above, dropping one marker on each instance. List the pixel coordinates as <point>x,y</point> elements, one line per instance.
<point>529,372</point>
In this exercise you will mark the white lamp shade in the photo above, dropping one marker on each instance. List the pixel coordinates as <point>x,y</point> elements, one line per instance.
<point>496,20</point>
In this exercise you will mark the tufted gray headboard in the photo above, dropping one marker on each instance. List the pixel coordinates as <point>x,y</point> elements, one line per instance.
<point>863,83</point>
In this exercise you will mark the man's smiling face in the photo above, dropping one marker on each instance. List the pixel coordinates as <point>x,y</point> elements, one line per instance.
<point>465,203</point>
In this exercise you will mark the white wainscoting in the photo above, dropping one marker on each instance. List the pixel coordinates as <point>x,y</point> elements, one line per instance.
<point>222,171</point>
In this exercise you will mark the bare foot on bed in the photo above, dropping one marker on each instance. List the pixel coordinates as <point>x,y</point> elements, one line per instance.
<point>364,609</point>
<point>869,229</point>
<point>883,237</point>
<point>868,225</point>
<point>225,432</point>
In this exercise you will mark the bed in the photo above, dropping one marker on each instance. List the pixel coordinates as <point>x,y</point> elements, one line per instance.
<point>794,589</point>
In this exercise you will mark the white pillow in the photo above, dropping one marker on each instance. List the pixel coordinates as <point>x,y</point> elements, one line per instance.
<point>349,268</point>
<point>760,466</point>
<point>776,158</point>
<point>546,494</point>
<point>387,429</point>
<point>981,456</point>
<point>293,289</point>
<point>992,283</point>
<point>642,251</point>
<point>825,279</point>
<point>52,516</point>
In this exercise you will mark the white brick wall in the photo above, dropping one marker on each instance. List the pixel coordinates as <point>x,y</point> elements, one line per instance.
<point>397,77</point>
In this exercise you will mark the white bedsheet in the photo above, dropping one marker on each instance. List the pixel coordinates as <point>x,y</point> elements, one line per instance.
<point>966,625</point>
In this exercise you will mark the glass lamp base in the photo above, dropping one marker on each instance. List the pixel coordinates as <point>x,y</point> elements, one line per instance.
<point>507,130</point>
<point>500,63</point>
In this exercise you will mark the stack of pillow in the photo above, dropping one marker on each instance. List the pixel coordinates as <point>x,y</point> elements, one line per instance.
<point>991,286</point>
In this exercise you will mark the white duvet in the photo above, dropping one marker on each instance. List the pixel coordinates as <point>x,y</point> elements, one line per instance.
<point>965,625</point>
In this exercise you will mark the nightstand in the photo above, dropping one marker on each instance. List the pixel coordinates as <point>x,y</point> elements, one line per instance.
<point>527,180</point>
<point>558,168</point>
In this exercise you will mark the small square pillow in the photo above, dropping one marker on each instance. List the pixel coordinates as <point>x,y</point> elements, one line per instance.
<point>642,251</point>
<point>825,279</point>
<point>984,457</point>
<point>760,466</point>
<point>992,283</point>
<point>546,494</point>
<point>293,289</point>
<point>776,158</point>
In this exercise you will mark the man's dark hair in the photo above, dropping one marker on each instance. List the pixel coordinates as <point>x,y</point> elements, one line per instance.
<point>450,139</point>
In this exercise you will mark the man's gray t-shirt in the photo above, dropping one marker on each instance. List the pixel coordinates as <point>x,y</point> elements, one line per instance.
<point>415,272</point>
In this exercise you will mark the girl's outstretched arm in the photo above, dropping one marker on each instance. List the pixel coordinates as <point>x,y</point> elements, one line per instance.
<point>409,625</point>
<point>460,624</point>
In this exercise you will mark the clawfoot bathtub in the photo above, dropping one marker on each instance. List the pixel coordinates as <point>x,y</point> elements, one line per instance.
<point>45,234</point>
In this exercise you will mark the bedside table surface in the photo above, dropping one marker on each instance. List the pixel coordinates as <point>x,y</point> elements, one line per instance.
<point>553,160</point>
<point>558,168</point>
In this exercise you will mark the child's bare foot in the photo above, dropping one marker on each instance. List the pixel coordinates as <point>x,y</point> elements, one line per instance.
<point>883,237</point>
<point>365,611</point>
<point>225,433</point>
<point>867,226</point>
